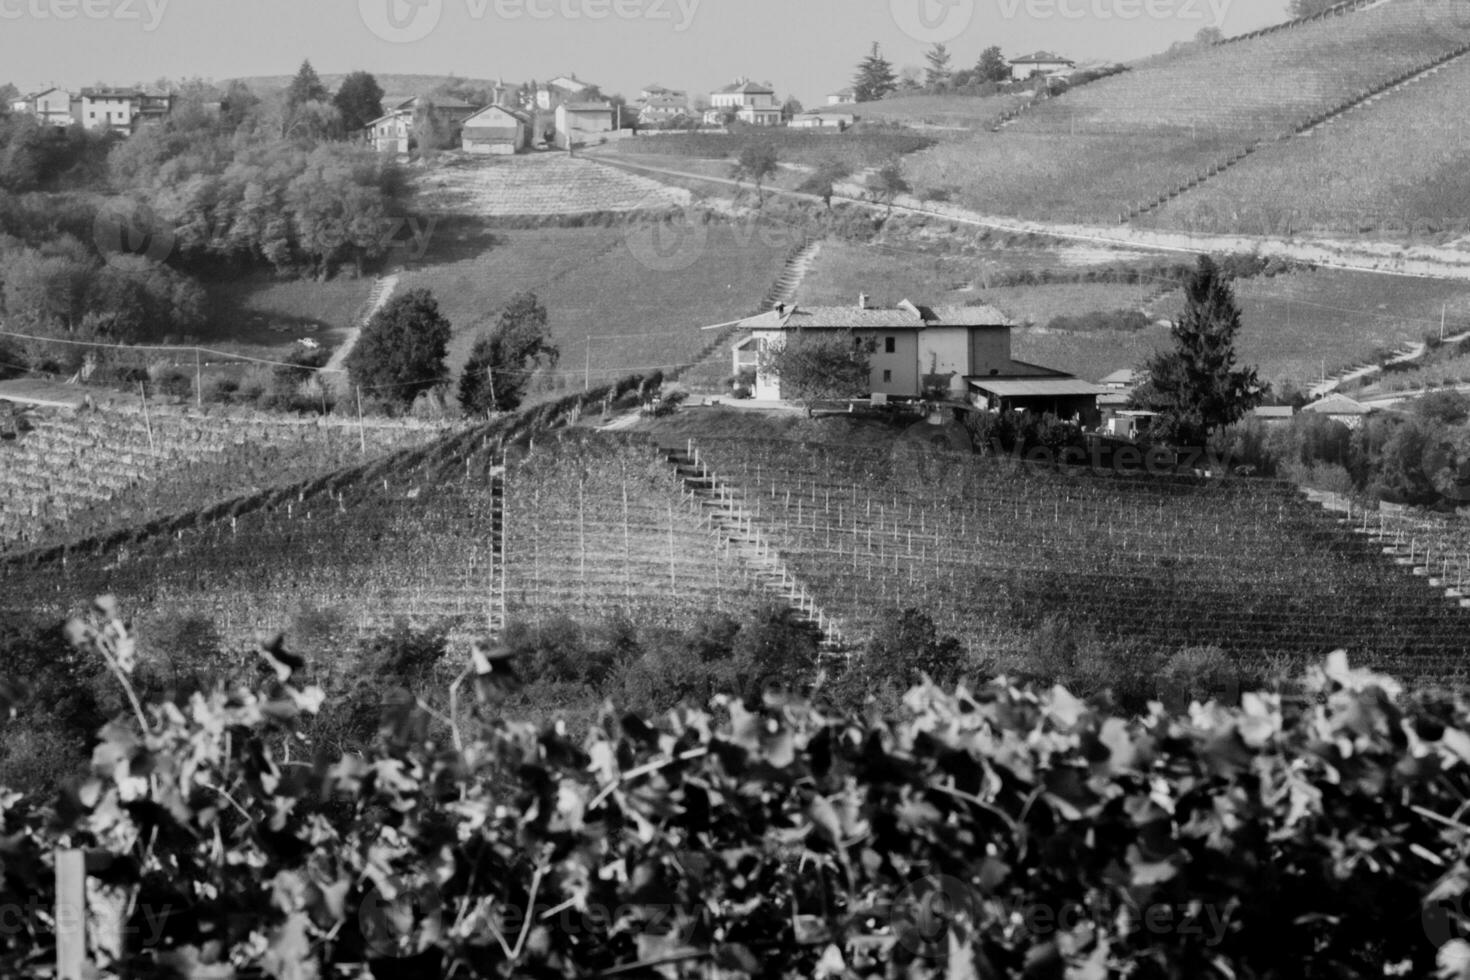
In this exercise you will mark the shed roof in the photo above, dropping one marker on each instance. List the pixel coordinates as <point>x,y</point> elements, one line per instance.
<point>1123,376</point>
<point>1337,405</point>
<point>1035,387</point>
<point>902,317</point>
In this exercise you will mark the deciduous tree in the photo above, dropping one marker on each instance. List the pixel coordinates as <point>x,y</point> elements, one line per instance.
<point>992,66</point>
<point>814,367</point>
<point>756,163</point>
<point>503,362</point>
<point>401,350</point>
<point>359,100</point>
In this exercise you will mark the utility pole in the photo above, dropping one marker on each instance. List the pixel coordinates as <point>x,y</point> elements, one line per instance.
<point>587,366</point>
<point>361,433</point>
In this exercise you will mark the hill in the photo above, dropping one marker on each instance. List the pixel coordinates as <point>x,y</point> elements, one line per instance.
<point>66,475</point>
<point>463,531</point>
<point>1117,144</point>
<point>999,552</point>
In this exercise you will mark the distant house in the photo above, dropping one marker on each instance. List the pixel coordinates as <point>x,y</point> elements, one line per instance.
<point>393,132</point>
<point>658,109</point>
<point>563,88</point>
<point>1040,63</point>
<point>823,119</point>
<point>1119,380</point>
<point>153,108</point>
<point>109,109</point>
<point>750,102</point>
<point>845,97</point>
<point>576,121</point>
<point>497,130</point>
<point>962,353</point>
<point>50,107</point>
<point>657,91</point>
<point>1340,408</point>
<point>1274,414</point>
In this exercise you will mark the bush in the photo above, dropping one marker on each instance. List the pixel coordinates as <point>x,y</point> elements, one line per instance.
<point>1007,832</point>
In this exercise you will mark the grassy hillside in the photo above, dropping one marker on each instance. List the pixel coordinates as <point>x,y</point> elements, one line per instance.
<point>1396,168</point>
<point>943,111</point>
<point>996,551</point>
<point>1094,152</point>
<point>537,184</point>
<point>596,283</point>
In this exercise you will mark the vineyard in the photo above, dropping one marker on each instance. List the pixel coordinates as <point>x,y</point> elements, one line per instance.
<point>594,525</point>
<point>74,474</point>
<point>1107,147</point>
<point>989,547</point>
<point>550,184</point>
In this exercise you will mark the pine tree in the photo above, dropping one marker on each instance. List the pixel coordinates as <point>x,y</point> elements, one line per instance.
<point>359,99</point>
<point>938,75</point>
<point>1195,388</point>
<point>305,87</point>
<point>875,78</point>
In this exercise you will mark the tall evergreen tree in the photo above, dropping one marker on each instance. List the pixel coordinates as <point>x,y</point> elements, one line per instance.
<point>875,78</point>
<point>1195,388</point>
<point>360,100</point>
<point>305,87</point>
<point>939,74</point>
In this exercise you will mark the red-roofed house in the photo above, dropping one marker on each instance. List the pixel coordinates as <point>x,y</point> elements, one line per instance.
<point>498,130</point>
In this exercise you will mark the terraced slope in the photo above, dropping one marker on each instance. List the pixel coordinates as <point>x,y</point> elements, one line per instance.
<point>595,525</point>
<point>1113,146</point>
<point>993,549</point>
<point>72,474</point>
<point>541,184</point>
<point>1397,166</point>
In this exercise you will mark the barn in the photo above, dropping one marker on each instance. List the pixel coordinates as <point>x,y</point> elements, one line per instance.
<point>498,130</point>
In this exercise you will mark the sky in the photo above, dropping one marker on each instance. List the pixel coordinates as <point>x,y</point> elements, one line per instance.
<point>805,48</point>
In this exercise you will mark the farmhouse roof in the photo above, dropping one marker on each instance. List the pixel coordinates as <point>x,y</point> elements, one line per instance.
<point>746,87</point>
<point>517,114</point>
<point>902,317</point>
<point>1123,376</point>
<point>1337,405</point>
<point>665,102</point>
<point>111,93</point>
<point>1273,412</point>
<point>587,106</point>
<point>843,91</point>
<point>1035,387</point>
<point>1042,58</point>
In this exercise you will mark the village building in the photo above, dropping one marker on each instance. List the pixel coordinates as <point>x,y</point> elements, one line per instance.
<point>497,130</point>
<point>660,109</point>
<point>50,107</point>
<point>1340,408</point>
<point>563,88</point>
<point>837,122</point>
<point>749,102</point>
<point>955,354</point>
<point>1274,415</point>
<point>1040,63</point>
<point>845,97</point>
<point>393,132</point>
<point>576,122</point>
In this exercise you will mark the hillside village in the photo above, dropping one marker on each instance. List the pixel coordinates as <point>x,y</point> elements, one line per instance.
<point>468,527</point>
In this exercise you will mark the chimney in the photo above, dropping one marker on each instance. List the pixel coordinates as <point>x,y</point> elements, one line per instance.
<point>862,301</point>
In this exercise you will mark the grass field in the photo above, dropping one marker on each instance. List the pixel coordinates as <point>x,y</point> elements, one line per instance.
<point>1398,168</point>
<point>858,148</point>
<point>603,284</point>
<point>263,316</point>
<point>945,111</point>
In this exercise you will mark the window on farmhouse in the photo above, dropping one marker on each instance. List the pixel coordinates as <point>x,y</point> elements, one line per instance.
<point>887,375</point>
<point>889,345</point>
